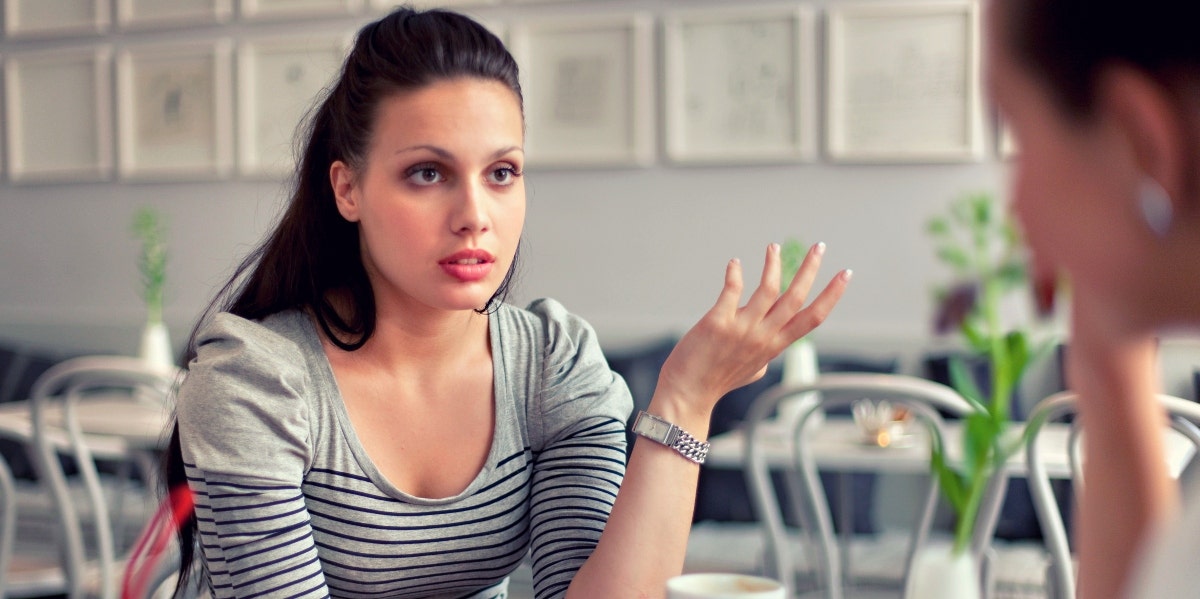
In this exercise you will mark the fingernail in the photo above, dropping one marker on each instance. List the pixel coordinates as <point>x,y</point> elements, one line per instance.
<point>846,274</point>
<point>820,248</point>
<point>735,261</point>
<point>775,248</point>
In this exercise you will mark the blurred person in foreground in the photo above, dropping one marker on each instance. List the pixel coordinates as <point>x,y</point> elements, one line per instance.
<point>1103,97</point>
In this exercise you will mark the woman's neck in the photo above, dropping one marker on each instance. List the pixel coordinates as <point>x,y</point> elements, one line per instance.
<point>421,337</point>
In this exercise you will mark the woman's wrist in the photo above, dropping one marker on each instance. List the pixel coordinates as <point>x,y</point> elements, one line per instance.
<point>685,412</point>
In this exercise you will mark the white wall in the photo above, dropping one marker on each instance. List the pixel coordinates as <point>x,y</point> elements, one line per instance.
<point>639,252</point>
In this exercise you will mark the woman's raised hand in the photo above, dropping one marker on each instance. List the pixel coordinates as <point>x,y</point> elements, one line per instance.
<point>730,346</point>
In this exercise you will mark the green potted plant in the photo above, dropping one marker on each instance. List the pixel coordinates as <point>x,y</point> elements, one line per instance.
<point>981,247</point>
<point>150,230</point>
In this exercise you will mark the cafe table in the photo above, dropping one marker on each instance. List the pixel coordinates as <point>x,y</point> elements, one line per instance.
<point>113,425</point>
<point>839,446</point>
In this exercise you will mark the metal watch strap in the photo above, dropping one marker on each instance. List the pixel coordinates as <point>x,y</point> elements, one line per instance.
<point>676,438</point>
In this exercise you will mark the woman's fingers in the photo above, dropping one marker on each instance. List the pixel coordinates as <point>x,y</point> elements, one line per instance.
<point>797,292</point>
<point>731,293</point>
<point>803,322</point>
<point>767,293</point>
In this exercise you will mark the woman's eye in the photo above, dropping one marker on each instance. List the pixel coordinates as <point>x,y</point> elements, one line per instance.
<point>424,175</point>
<point>503,175</point>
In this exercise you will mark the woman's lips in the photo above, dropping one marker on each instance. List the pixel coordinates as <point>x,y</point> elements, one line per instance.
<point>468,265</point>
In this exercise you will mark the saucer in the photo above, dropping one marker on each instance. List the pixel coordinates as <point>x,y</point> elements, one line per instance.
<point>897,440</point>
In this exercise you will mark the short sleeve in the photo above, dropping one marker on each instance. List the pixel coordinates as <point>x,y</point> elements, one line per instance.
<point>244,435</point>
<point>577,423</point>
<point>577,388</point>
<point>241,410</point>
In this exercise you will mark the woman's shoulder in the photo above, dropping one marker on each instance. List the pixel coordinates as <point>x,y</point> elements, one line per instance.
<point>546,318</point>
<point>281,335</point>
<point>277,347</point>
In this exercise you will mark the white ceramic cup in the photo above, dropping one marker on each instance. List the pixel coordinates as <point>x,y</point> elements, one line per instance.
<point>723,586</point>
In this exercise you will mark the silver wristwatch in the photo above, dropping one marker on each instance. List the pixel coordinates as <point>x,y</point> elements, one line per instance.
<point>660,431</point>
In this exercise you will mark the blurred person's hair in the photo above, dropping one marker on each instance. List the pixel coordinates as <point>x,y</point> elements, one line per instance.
<point>1067,43</point>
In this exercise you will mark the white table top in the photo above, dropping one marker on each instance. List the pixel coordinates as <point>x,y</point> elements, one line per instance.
<point>113,424</point>
<point>838,444</point>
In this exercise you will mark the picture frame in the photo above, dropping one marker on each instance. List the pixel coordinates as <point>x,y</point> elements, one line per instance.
<point>174,112</point>
<point>740,85</point>
<point>903,82</point>
<point>59,120</point>
<point>279,79</point>
<point>143,14</point>
<point>266,9</point>
<point>46,18</point>
<point>384,5</point>
<point>588,88</point>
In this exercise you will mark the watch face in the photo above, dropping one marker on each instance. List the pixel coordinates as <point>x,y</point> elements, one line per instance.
<point>653,427</point>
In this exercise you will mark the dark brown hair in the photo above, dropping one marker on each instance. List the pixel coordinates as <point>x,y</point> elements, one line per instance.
<point>1066,43</point>
<point>312,255</point>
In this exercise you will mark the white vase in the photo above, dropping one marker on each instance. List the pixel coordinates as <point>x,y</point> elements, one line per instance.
<point>799,368</point>
<point>155,348</point>
<point>939,573</point>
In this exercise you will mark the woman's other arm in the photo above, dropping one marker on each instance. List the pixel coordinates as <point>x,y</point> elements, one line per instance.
<point>644,541</point>
<point>1128,492</point>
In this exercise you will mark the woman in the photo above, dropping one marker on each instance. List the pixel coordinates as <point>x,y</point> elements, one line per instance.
<point>1102,97</point>
<point>365,417</point>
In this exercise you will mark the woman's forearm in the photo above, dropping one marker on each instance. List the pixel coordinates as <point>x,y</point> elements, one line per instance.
<point>1127,488</point>
<point>645,539</point>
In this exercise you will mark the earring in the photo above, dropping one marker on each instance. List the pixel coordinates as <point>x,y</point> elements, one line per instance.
<point>1155,206</point>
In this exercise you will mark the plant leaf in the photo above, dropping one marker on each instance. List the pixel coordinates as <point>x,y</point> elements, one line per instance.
<point>970,330</point>
<point>938,227</point>
<point>951,483</point>
<point>964,382</point>
<point>954,256</point>
<point>978,438</point>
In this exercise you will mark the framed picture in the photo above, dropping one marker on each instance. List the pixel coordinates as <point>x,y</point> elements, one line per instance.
<point>904,82</point>
<point>262,9</point>
<point>59,124</point>
<point>278,81</point>
<point>588,86</point>
<point>156,13</point>
<point>740,85</point>
<point>174,111</point>
<point>390,4</point>
<point>30,18</point>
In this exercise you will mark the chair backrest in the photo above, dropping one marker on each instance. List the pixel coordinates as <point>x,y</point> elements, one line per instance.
<point>1183,417</point>
<point>924,399</point>
<point>55,397</point>
<point>8,521</point>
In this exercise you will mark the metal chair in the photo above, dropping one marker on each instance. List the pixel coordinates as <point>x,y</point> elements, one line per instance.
<point>1183,416</point>
<point>57,398</point>
<point>922,397</point>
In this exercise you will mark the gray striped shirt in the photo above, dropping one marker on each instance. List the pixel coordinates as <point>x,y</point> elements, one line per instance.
<point>289,504</point>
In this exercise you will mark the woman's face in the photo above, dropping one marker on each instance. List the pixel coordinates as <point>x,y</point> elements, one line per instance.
<point>1073,180</point>
<point>439,198</point>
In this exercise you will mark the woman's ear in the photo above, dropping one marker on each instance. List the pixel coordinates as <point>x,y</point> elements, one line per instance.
<point>345,191</point>
<point>1158,133</point>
